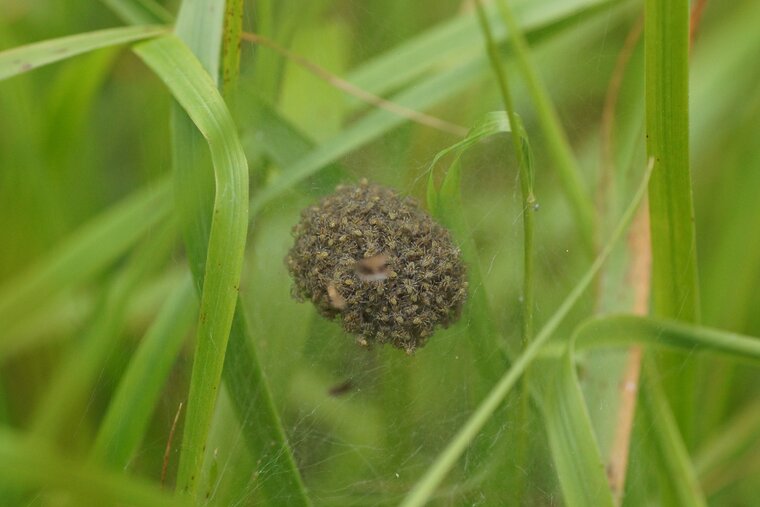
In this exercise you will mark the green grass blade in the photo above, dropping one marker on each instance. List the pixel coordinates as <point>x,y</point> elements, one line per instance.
<point>27,463</point>
<point>434,48</point>
<point>573,445</point>
<point>675,291</point>
<point>25,58</point>
<point>365,130</point>
<point>576,455</point>
<point>522,153</point>
<point>446,206</point>
<point>674,284</point>
<point>626,330</point>
<point>79,370</point>
<point>139,12</point>
<point>200,26</point>
<point>676,473</point>
<point>133,401</point>
<point>426,486</point>
<point>195,91</point>
<point>524,158</point>
<point>244,378</point>
<point>258,418</point>
<point>83,254</point>
<point>194,196</point>
<point>558,145</point>
<point>739,437</point>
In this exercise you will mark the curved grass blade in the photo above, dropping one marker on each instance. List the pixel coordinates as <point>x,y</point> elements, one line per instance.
<point>244,377</point>
<point>573,445</point>
<point>25,58</point>
<point>441,203</point>
<point>195,91</point>
<point>576,455</point>
<point>558,145</point>
<point>426,486</point>
<point>84,253</point>
<point>626,330</point>
<point>446,205</point>
<point>131,406</point>
<point>30,464</point>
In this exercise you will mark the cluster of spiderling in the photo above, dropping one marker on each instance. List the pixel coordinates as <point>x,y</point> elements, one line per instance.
<point>379,262</point>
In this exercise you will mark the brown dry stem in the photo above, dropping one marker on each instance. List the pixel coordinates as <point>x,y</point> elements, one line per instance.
<point>639,277</point>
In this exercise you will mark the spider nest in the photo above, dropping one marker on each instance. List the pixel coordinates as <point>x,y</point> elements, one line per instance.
<point>380,263</point>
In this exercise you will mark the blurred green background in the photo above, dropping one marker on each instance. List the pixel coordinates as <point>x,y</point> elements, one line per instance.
<point>80,136</point>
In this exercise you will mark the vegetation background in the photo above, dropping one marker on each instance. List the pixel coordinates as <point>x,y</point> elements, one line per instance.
<point>151,174</point>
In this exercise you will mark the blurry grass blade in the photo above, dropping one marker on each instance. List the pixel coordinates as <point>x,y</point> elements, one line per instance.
<point>139,12</point>
<point>434,48</point>
<point>446,206</point>
<point>233,27</point>
<point>427,485</point>
<point>195,91</point>
<point>341,84</point>
<point>79,371</point>
<point>4,412</point>
<point>558,144</point>
<point>29,463</point>
<point>368,128</point>
<point>65,314</point>
<point>200,26</point>
<point>572,442</point>
<point>676,473</point>
<point>523,157</point>
<point>738,436</point>
<point>25,58</point>
<point>267,131</point>
<point>626,330</point>
<point>85,253</point>
<point>69,107</point>
<point>258,418</point>
<point>491,124</point>
<point>132,404</point>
